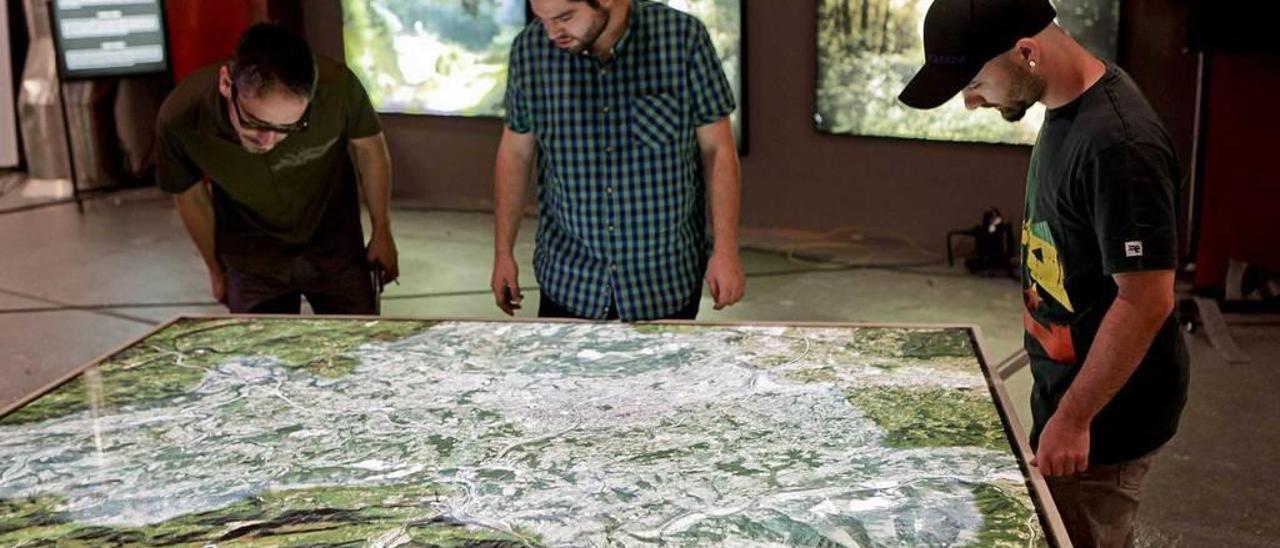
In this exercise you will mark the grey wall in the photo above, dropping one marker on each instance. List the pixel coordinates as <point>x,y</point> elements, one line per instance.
<point>793,177</point>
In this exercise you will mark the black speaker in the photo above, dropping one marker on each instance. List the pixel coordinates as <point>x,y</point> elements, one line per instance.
<point>18,40</point>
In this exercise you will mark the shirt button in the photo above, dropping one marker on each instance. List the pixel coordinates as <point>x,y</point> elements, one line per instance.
<point>605,110</point>
<point>610,228</point>
<point>604,72</point>
<point>613,267</point>
<point>609,190</point>
<point>608,148</point>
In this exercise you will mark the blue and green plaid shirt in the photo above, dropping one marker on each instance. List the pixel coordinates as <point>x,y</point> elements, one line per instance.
<point>622,202</point>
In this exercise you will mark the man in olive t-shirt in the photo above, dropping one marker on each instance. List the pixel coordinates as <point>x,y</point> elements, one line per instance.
<point>262,154</point>
<point>1099,247</point>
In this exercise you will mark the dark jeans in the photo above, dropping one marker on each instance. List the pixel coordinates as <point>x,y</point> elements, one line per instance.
<point>548,308</point>
<point>345,291</point>
<point>1098,506</point>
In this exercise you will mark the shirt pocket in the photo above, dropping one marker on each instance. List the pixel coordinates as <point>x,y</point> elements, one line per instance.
<point>655,119</point>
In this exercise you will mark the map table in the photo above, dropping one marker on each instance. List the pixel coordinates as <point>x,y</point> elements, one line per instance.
<point>242,430</point>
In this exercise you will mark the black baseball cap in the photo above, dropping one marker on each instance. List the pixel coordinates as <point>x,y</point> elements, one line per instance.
<point>960,36</point>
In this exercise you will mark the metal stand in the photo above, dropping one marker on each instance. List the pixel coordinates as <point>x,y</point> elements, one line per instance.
<point>1198,132</point>
<point>62,101</point>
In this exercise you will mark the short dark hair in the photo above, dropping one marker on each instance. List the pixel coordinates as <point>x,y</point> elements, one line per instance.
<point>270,55</point>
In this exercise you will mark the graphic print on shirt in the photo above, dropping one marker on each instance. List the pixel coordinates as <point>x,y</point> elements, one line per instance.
<point>1044,281</point>
<point>303,156</point>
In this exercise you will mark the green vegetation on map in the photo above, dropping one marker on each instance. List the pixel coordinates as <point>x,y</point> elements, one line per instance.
<point>933,418</point>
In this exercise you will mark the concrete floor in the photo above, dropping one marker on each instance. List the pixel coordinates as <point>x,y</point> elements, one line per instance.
<point>75,287</point>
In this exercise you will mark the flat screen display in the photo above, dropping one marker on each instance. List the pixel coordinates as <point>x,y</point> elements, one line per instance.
<point>442,57</point>
<point>869,49</point>
<point>103,38</point>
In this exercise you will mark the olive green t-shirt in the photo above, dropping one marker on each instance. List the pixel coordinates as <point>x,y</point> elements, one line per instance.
<point>299,199</point>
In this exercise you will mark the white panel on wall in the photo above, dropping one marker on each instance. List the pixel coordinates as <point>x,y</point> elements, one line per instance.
<point>8,121</point>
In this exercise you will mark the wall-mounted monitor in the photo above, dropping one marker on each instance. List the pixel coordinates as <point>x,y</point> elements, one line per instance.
<point>449,57</point>
<point>105,38</point>
<point>444,57</point>
<point>869,49</point>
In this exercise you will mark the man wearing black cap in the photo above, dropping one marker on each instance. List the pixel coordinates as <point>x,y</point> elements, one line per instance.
<point>1099,250</point>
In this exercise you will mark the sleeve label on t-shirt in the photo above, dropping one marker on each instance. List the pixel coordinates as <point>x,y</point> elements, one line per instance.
<point>1133,249</point>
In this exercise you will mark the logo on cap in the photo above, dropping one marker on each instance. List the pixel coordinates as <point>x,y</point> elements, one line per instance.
<point>943,59</point>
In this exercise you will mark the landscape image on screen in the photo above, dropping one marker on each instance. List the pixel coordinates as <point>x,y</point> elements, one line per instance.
<point>449,57</point>
<point>445,57</point>
<point>328,432</point>
<point>869,49</point>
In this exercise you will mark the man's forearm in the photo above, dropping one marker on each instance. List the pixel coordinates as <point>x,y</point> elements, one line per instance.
<point>196,211</point>
<point>724,192</point>
<point>1126,333</point>
<point>373,163</point>
<point>511,179</point>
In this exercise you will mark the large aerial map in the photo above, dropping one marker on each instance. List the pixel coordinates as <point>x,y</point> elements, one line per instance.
<point>253,431</point>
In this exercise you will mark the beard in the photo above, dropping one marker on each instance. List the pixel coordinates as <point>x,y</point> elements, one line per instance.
<point>1015,112</point>
<point>1025,90</point>
<point>599,20</point>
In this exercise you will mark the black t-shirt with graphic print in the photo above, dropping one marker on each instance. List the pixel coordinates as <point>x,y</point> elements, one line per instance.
<point>1101,200</point>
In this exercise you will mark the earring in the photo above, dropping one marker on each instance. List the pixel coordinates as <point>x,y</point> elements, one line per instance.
<point>1033,63</point>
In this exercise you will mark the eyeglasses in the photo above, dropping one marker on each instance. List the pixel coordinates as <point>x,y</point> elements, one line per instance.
<point>259,125</point>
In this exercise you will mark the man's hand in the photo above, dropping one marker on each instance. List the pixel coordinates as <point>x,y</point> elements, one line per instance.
<point>506,284</point>
<point>1064,448</point>
<point>725,278</point>
<point>218,283</point>
<point>382,255</point>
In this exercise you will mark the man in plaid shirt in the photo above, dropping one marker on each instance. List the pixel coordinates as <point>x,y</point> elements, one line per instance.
<point>627,108</point>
